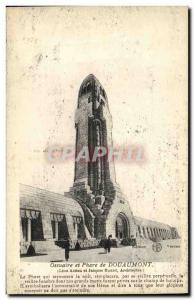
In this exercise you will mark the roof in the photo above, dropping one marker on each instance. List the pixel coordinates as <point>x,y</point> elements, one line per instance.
<point>92,77</point>
<point>41,199</point>
<point>150,223</point>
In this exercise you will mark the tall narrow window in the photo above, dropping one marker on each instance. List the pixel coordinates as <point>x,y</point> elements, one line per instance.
<point>88,87</point>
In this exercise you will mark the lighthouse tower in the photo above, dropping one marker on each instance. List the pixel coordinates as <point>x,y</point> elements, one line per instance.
<point>107,211</point>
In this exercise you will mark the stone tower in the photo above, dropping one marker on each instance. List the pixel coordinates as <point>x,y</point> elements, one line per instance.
<point>95,184</point>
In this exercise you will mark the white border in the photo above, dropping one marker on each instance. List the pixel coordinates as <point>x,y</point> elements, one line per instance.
<point>97,2</point>
<point>3,5</point>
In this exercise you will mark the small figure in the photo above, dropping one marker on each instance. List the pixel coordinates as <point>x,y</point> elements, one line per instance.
<point>107,244</point>
<point>31,250</point>
<point>67,246</point>
<point>77,246</point>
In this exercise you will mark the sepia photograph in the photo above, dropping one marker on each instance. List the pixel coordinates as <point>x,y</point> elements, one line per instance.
<point>97,150</point>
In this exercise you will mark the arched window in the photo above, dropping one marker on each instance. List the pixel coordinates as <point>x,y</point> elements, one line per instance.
<point>102,92</point>
<point>144,233</point>
<point>89,86</point>
<point>84,90</point>
<point>139,230</point>
<point>102,102</point>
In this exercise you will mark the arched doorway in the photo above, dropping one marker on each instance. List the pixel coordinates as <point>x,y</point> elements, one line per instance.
<point>121,227</point>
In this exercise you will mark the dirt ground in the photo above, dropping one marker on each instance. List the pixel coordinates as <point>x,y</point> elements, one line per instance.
<point>168,250</point>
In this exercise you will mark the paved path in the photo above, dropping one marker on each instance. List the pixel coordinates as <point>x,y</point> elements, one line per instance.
<point>170,252</point>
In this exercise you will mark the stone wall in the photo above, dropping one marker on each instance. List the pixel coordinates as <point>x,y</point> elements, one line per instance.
<point>120,206</point>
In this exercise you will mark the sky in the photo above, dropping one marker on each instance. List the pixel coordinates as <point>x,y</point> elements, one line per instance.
<point>139,56</point>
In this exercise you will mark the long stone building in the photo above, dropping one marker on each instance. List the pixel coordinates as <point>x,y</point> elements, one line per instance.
<point>95,206</point>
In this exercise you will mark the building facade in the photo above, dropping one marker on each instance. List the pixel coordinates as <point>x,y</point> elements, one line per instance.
<point>95,207</point>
